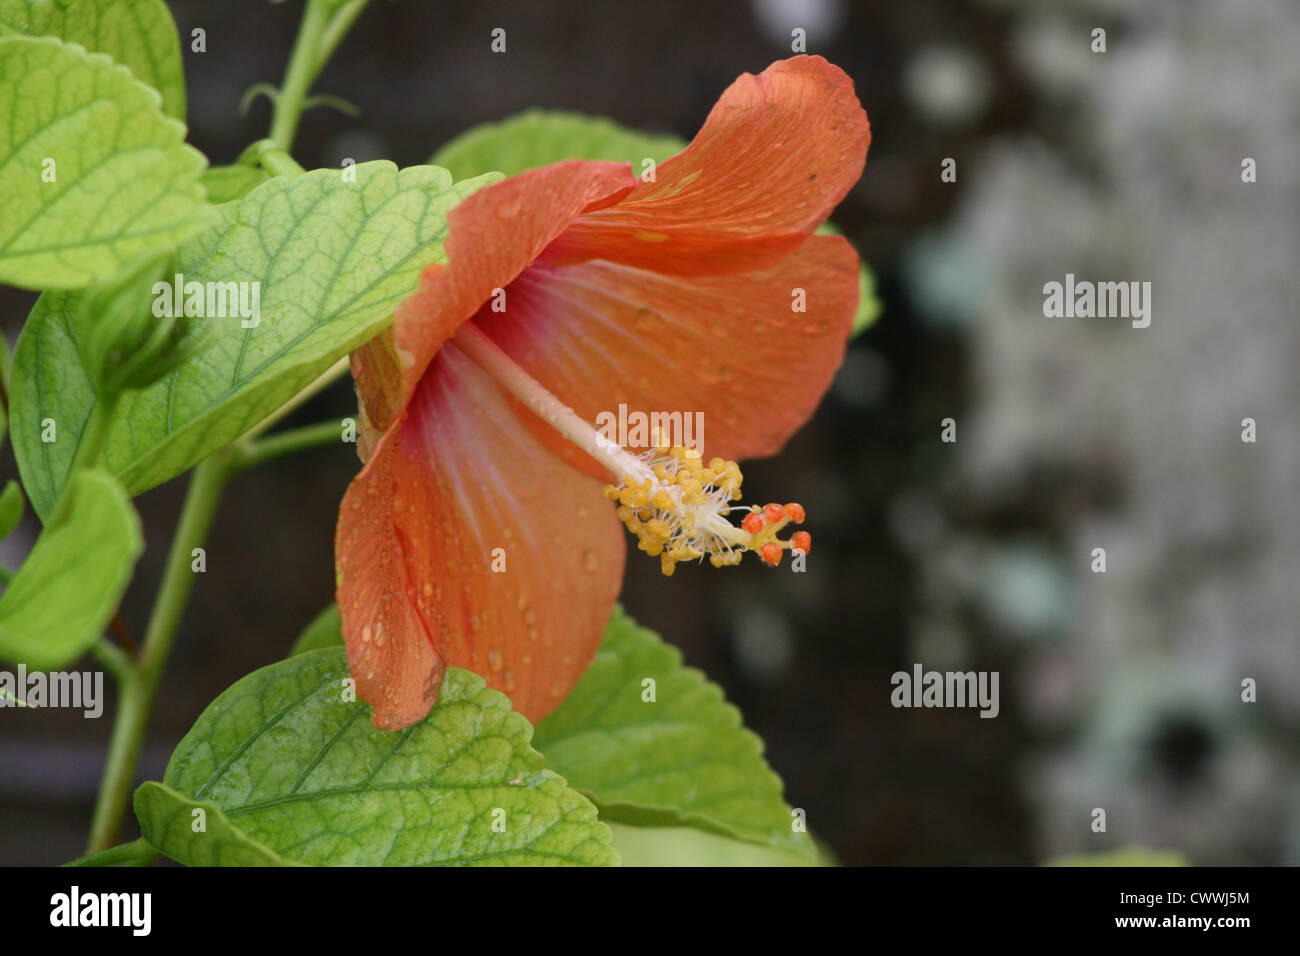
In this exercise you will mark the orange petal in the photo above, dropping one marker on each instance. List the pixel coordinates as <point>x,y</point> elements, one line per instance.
<point>418,531</point>
<point>776,155</point>
<point>492,236</point>
<point>598,334</point>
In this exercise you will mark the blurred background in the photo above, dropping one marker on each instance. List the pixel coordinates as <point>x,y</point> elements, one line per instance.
<point>1119,690</point>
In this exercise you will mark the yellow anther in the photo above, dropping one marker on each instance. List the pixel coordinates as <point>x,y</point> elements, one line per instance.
<point>678,507</point>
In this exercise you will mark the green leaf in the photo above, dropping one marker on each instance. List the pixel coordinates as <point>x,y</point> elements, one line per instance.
<point>653,739</point>
<point>11,508</point>
<point>228,183</point>
<point>6,369</point>
<point>301,771</point>
<point>325,630</point>
<point>330,260</point>
<point>67,590</point>
<point>124,181</point>
<point>682,760</point>
<point>139,34</point>
<point>1122,856</point>
<point>869,307</point>
<point>168,820</point>
<point>541,137</point>
<point>684,846</point>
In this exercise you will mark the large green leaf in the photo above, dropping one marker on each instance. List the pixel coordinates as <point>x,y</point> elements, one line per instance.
<point>67,590</point>
<point>121,180</point>
<point>325,630</point>
<point>227,183</point>
<point>683,759</point>
<point>139,34</point>
<point>300,770</point>
<point>331,259</point>
<point>541,137</point>
<point>686,846</point>
<point>169,820</point>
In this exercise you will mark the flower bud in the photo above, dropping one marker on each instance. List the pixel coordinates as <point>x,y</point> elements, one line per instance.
<point>128,345</point>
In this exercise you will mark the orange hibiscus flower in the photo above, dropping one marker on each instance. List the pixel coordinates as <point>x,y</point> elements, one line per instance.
<point>477,534</point>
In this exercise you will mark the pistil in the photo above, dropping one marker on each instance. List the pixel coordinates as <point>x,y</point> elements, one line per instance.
<point>677,506</point>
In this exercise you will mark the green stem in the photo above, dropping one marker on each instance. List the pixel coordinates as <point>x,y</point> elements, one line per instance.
<point>114,660</point>
<point>279,163</point>
<point>322,382</point>
<point>89,446</point>
<point>96,431</point>
<point>338,27</point>
<point>298,77</point>
<point>318,37</point>
<point>136,853</point>
<point>255,453</point>
<point>140,684</point>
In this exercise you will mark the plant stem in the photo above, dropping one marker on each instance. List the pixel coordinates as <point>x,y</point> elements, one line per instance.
<point>279,163</point>
<point>258,452</point>
<point>337,29</point>
<point>136,853</point>
<point>114,660</point>
<point>298,76</point>
<point>95,434</point>
<point>140,683</point>
<point>322,382</point>
<point>319,35</point>
<point>89,445</point>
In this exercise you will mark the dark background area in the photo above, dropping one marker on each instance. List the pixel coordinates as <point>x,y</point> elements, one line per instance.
<point>807,658</point>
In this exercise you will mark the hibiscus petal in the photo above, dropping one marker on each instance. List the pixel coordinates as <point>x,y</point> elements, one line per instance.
<point>492,236</point>
<point>776,155</point>
<point>458,478</point>
<point>598,334</point>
